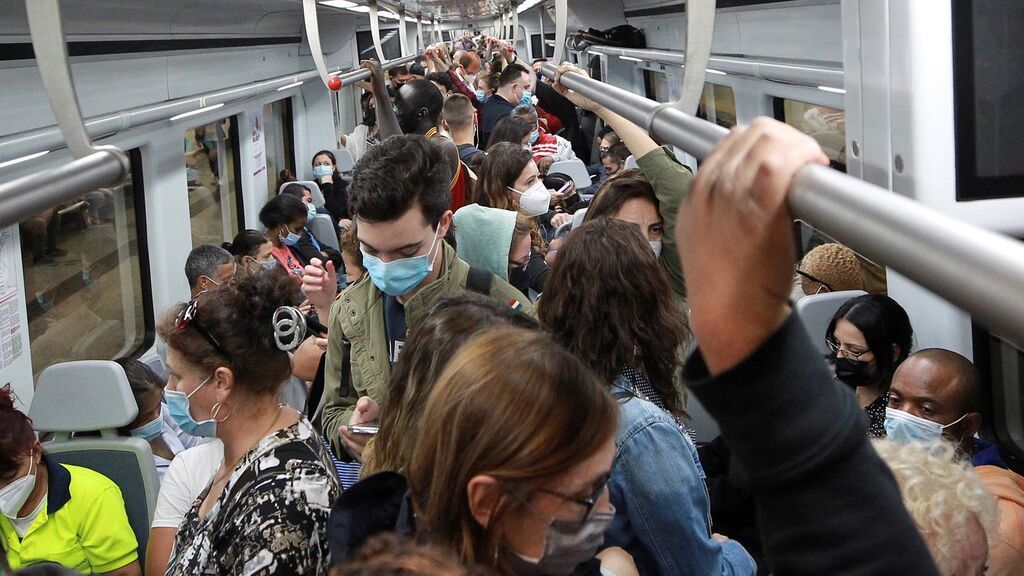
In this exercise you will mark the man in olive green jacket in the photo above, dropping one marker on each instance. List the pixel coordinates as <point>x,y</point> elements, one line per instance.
<point>399,199</point>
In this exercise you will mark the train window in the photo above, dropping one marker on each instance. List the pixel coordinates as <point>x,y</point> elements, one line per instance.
<point>84,264</point>
<point>659,86</point>
<point>211,167</point>
<point>718,105</point>
<point>824,124</point>
<point>1002,368</point>
<point>536,44</point>
<point>279,140</point>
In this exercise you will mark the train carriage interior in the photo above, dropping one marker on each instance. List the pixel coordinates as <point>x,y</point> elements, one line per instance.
<point>142,141</point>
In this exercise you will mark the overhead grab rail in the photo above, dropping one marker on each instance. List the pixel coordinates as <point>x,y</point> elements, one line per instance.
<point>312,27</point>
<point>980,271</point>
<point>788,73</point>
<point>48,139</point>
<point>94,166</point>
<point>700,29</point>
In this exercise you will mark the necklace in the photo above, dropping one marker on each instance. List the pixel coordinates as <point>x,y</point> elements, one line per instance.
<point>222,475</point>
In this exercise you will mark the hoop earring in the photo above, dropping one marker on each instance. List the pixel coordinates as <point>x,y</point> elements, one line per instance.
<point>216,412</point>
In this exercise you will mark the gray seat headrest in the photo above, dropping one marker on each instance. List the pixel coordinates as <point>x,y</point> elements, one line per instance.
<point>82,396</point>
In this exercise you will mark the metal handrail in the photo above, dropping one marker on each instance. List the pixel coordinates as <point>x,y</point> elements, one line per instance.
<point>800,74</point>
<point>980,271</point>
<point>50,138</point>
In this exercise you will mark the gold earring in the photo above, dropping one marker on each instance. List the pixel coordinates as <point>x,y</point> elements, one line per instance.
<point>216,412</point>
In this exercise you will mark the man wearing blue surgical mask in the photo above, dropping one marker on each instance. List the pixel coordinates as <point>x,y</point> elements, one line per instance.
<point>937,393</point>
<point>513,89</point>
<point>399,199</point>
<point>208,267</point>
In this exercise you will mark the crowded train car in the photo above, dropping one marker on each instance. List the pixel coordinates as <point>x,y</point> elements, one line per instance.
<point>527,287</point>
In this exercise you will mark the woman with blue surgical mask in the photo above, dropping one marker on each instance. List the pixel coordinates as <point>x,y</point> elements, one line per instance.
<point>285,216</point>
<point>332,185</point>
<point>226,362</point>
<point>309,245</point>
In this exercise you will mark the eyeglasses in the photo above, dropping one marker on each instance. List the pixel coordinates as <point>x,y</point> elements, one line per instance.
<point>835,348</point>
<point>188,317</point>
<point>815,280</point>
<point>590,504</point>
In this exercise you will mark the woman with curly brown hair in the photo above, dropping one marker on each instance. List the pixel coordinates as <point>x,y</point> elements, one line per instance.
<point>609,303</point>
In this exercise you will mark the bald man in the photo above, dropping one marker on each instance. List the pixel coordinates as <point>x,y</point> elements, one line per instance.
<point>938,393</point>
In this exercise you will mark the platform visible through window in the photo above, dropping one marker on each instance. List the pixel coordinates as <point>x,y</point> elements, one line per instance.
<point>211,153</point>
<point>280,143</point>
<point>824,124</point>
<point>718,105</point>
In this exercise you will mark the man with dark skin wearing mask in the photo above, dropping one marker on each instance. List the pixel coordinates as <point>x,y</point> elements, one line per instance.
<point>418,105</point>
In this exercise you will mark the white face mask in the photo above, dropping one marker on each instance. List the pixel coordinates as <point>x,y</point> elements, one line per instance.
<point>14,495</point>
<point>655,247</point>
<point>535,200</point>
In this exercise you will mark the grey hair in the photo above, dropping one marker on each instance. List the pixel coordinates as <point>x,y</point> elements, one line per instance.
<point>525,110</point>
<point>204,260</point>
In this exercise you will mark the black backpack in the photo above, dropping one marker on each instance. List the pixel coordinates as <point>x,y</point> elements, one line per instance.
<point>622,36</point>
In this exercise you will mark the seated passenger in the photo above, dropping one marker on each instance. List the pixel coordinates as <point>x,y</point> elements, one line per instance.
<point>869,337</point>
<point>392,555</point>
<point>332,185</point>
<point>252,249</point>
<point>187,476</point>
<point>400,198</point>
<point>266,509</point>
<point>543,144</point>
<point>830,267</point>
<point>354,269</point>
<point>937,393</point>
<point>460,120</point>
<point>608,302</point>
<point>511,129</point>
<point>154,423</point>
<point>798,443</point>
<point>208,267</point>
<point>508,474</point>
<point>504,242</point>
<point>309,245</point>
<point>52,512</point>
<point>948,503</point>
<point>284,217</point>
<point>450,323</point>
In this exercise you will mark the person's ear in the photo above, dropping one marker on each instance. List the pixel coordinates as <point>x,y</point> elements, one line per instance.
<point>483,495</point>
<point>971,424</point>
<point>444,223</point>
<point>223,381</point>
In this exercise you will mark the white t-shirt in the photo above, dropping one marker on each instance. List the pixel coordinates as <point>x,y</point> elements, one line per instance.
<point>175,439</point>
<point>188,475</point>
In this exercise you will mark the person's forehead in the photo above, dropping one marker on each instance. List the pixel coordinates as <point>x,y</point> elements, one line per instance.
<point>920,378</point>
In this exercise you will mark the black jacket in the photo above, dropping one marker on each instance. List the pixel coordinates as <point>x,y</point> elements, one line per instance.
<point>336,197</point>
<point>827,504</point>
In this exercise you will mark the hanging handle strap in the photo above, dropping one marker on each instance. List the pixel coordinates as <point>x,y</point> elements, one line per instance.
<point>700,30</point>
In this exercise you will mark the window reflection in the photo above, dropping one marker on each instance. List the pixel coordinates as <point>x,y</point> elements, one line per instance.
<point>824,124</point>
<point>210,168</point>
<point>718,105</point>
<point>280,143</point>
<point>83,279</point>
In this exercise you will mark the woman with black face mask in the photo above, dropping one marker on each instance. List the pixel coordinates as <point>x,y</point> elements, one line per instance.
<point>365,135</point>
<point>869,337</point>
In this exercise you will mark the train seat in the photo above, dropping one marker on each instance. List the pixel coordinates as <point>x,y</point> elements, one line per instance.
<point>66,402</point>
<point>324,231</point>
<point>314,188</point>
<point>817,310</point>
<point>346,162</point>
<point>574,169</point>
<point>631,163</point>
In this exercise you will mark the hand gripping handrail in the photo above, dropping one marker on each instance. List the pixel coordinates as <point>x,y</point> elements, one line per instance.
<point>980,271</point>
<point>93,166</point>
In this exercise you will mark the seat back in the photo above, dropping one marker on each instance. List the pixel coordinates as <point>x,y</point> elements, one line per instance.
<point>91,396</point>
<point>574,169</point>
<point>314,188</point>
<point>321,227</point>
<point>816,312</point>
<point>346,162</point>
<point>631,163</point>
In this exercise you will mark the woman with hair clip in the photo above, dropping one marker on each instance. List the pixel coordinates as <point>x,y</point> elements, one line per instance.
<point>266,509</point>
<point>509,474</point>
<point>609,303</point>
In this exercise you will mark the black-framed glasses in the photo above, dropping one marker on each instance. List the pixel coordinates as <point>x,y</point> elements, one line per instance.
<point>590,504</point>
<point>821,284</point>
<point>188,317</point>
<point>836,349</point>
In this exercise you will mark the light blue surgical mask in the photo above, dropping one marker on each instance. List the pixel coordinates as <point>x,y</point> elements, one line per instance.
<point>321,170</point>
<point>481,96</point>
<point>526,99</point>
<point>178,407</point>
<point>151,430</point>
<point>533,137</point>
<point>291,239</point>
<point>903,427</point>
<point>399,277</point>
<point>310,211</point>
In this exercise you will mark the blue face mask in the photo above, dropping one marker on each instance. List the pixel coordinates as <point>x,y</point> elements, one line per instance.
<point>291,239</point>
<point>903,427</point>
<point>533,137</point>
<point>321,170</point>
<point>399,277</point>
<point>481,96</point>
<point>527,98</point>
<point>177,405</point>
<point>151,430</point>
<point>310,211</point>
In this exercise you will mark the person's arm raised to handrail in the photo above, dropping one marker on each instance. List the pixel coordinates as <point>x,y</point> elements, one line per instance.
<point>386,118</point>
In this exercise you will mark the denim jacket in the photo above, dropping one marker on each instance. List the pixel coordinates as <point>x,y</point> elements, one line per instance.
<point>662,512</point>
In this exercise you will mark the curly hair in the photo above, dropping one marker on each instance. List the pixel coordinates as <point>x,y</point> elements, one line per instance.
<point>608,301</point>
<point>389,554</point>
<point>239,319</point>
<point>942,495</point>
<point>836,267</point>
<point>16,435</point>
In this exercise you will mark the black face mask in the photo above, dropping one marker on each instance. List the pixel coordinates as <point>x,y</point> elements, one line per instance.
<point>370,117</point>
<point>854,374</point>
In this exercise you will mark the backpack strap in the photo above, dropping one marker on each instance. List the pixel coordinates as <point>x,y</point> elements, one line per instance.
<point>479,280</point>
